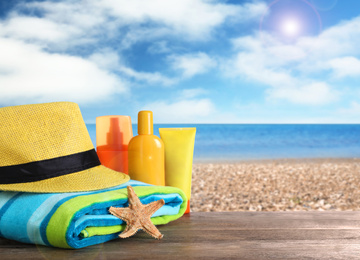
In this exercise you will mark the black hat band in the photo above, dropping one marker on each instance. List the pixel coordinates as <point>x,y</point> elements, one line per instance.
<point>49,168</point>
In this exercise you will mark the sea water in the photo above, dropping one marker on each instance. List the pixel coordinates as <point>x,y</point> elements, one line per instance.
<point>231,142</point>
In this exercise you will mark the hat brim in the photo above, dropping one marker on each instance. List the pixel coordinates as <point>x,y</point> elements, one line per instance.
<point>95,178</point>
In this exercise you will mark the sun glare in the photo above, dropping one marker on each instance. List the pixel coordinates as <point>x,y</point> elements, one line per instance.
<point>290,27</point>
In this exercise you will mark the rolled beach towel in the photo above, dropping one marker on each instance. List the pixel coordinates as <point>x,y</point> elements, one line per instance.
<point>79,219</point>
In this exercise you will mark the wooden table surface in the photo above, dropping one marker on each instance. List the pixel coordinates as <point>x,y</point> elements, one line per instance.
<point>224,235</point>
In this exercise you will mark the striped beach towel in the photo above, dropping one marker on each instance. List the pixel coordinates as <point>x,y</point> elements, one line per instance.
<point>79,219</point>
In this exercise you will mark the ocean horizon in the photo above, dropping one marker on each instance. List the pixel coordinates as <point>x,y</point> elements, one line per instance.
<point>236,142</point>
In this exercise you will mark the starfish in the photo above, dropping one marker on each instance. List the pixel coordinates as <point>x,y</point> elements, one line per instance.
<point>137,216</point>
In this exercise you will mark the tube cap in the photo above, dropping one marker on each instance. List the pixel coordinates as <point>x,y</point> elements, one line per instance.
<point>145,123</point>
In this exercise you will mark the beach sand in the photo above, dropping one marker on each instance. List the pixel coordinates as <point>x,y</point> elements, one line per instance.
<point>277,185</point>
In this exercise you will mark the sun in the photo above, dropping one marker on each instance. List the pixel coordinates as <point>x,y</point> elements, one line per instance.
<point>290,27</point>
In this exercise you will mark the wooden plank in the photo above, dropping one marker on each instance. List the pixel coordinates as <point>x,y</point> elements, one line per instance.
<point>224,235</point>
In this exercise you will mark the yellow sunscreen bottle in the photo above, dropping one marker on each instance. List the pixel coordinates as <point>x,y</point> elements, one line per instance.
<point>146,153</point>
<point>179,151</point>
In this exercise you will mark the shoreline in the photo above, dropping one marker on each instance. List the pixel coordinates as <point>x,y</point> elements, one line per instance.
<point>277,185</point>
<point>281,160</point>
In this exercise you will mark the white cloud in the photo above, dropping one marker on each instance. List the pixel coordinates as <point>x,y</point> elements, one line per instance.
<point>192,93</point>
<point>33,28</point>
<point>60,27</point>
<point>313,94</point>
<point>186,19</point>
<point>346,66</point>
<point>348,114</point>
<point>253,65</point>
<point>181,111</point>
<point>192,64</point>
<point>338,40</point>
<point>150,78</point>
<point>57,50</point>
<point>110,60</point>
<point>37,76</point>
<point>292,72</point>
<point>159,47</point>
<point>106,58</point>
<point>352,110</point>
<point>281,84</point>
<point>192,18</point>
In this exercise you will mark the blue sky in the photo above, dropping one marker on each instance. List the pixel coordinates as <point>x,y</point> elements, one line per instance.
<point>189,61</point>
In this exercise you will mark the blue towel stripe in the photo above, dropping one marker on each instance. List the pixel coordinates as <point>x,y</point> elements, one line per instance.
<point>6,202</point>
<point>25,216</point>
<point>37,218</point>
<point>19,213</point>
<point>57,204</point>
<point>5,197</point>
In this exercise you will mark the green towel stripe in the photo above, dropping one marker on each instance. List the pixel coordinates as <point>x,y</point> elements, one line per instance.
<point>84,234</point>
<point>100,231</point>
<point>61,219</point>
<point>159,220</point>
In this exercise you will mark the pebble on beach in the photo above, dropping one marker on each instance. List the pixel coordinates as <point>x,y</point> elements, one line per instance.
<point>278,185</point>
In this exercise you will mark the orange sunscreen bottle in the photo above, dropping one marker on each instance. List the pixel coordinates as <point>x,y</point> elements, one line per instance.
<point>113,134</point>
<point>179,150</point>
<point>146,153</point>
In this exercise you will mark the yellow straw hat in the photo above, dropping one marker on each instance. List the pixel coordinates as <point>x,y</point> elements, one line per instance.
<point>46,148</point>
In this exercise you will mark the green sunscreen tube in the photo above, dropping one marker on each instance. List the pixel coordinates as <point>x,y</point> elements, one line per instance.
<point>179,152</point>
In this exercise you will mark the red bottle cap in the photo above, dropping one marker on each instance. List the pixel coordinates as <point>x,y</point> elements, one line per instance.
<point>113,133</point>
